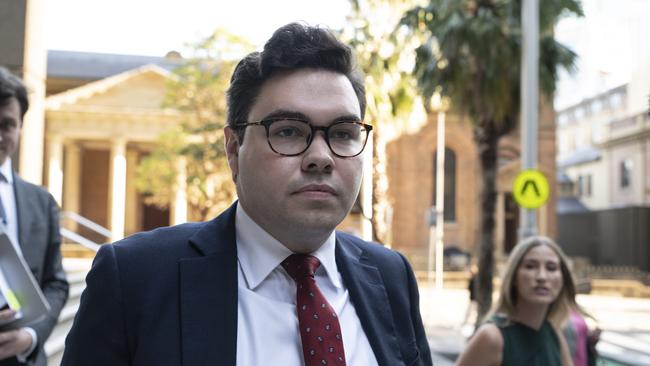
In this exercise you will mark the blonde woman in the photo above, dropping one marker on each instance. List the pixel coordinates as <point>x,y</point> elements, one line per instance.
<point>537,293</point>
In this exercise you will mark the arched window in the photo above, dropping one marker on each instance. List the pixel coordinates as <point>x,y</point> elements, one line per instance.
<point>450,183</point>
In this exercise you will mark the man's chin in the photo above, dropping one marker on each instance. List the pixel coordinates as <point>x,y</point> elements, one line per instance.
<point>323,217</point>
<point>311,225</point>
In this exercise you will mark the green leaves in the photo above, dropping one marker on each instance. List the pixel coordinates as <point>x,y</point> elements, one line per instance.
<point>197,90</point>
<point>472,52</point>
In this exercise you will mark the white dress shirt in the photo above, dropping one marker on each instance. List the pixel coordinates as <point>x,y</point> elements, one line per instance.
<point>267,321</point>
<point>9,203</point>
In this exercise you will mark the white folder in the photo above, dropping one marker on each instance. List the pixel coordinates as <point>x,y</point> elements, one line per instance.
<point>19,288</point>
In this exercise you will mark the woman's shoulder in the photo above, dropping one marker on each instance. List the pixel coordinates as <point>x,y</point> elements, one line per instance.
<point>485,347</point>
<point>490,334</point>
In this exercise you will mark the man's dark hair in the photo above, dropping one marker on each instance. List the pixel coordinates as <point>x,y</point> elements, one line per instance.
<point>12,87</point>
<point>293,46</point>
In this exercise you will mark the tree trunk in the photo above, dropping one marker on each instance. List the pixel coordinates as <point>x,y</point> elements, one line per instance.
<point>487,137</point>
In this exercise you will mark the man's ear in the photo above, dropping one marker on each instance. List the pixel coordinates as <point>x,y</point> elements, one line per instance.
<point>232,151</point>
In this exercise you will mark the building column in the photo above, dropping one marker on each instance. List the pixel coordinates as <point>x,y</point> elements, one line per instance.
<point>179,201</point>
<point>72,174</point>
<point>55,167</point>
<point>34,75</point>
<point>117,191</point>
<point>132,203</point>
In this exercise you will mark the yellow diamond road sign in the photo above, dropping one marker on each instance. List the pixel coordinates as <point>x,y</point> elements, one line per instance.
<point>530,189</point>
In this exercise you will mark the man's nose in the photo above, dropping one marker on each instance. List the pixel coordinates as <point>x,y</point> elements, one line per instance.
<point>318,156</point>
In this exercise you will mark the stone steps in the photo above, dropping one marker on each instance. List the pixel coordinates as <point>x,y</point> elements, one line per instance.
<point>73,250</point>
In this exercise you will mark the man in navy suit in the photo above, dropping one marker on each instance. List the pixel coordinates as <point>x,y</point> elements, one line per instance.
<point>269,281</point>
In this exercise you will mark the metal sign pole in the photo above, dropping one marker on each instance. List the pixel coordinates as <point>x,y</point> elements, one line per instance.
<point>529,103</point>
<point>440,197</point>
<point>432,241</point>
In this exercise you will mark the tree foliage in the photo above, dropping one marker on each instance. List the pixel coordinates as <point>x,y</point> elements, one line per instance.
<point>197,90</point>
<point>385,54</point>
<point>471,54</point>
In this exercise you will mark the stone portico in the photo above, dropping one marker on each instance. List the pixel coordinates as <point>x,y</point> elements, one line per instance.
<point>95,135</point>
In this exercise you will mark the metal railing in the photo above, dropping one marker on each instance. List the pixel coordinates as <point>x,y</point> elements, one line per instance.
<point>79,239</point>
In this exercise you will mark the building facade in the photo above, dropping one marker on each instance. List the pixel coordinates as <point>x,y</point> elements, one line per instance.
<point>604,149</point>
<point>102,115</point>
<point>411,177</point>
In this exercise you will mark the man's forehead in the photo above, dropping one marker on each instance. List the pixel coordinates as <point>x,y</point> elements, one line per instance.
<point>10,105</point>
<point>307,91</point>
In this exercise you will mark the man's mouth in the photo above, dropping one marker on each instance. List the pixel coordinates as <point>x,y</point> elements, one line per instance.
<point>316,189</point>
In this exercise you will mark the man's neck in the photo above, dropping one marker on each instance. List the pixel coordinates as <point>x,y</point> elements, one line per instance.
<point>301,240</point>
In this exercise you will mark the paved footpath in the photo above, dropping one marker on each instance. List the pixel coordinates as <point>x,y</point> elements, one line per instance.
<point>625,322</point>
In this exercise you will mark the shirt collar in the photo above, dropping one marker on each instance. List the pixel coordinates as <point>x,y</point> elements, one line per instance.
<point>7,170</point>
<point>259,253</point>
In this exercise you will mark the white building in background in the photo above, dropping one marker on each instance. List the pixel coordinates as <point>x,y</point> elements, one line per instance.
<point>602,122</point>
<point>604,146</point>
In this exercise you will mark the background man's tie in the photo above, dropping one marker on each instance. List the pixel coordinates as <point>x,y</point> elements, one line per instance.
<point>320,332</point>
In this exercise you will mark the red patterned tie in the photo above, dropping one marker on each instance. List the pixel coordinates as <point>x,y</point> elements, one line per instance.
<point>320,332</point>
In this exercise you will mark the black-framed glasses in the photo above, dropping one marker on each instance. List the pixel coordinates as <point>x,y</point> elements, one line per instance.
<point>293,136</point>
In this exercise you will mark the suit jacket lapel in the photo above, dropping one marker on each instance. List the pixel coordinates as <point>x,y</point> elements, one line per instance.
<point>208,295</point>
<point>24,219</point>
<point>370,300</point>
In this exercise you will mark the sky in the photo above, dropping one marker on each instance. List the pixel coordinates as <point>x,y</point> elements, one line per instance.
<point>612,40</point>
<point>154,27</point>
<point>613,45</point>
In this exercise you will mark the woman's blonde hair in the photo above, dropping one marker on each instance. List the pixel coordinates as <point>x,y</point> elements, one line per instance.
<point>558,311</point>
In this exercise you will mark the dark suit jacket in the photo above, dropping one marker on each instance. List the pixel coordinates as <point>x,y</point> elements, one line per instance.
<point>40,242</point>
<point>169,297</point>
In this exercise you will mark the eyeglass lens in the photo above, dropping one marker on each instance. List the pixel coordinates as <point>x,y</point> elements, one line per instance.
<point>293,137</point>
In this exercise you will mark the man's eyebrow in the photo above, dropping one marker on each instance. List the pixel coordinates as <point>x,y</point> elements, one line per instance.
<point>6,119</point>
<point>284,113</point>
<point>347,118</point>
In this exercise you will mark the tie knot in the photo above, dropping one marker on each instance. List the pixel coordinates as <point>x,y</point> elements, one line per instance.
<point>300,266</point>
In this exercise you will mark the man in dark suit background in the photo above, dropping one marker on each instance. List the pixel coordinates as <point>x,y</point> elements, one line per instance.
<point>31,219</point>
<point>269,281</point>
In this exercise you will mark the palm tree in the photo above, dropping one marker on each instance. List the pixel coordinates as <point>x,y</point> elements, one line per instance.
<point>471,55</point>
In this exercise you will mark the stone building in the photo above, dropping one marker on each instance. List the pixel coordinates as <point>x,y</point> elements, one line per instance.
<point>604,147</point>
<point>411,177</point>
<point>102,114</point>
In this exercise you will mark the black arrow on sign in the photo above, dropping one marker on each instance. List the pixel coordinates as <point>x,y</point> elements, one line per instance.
<point>530,183</point>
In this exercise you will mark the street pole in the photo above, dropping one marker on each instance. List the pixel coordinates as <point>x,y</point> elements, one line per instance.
<point>436,233</point>
<point>440,197</point>
<point>529,104</point>
<point>432,246</point>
